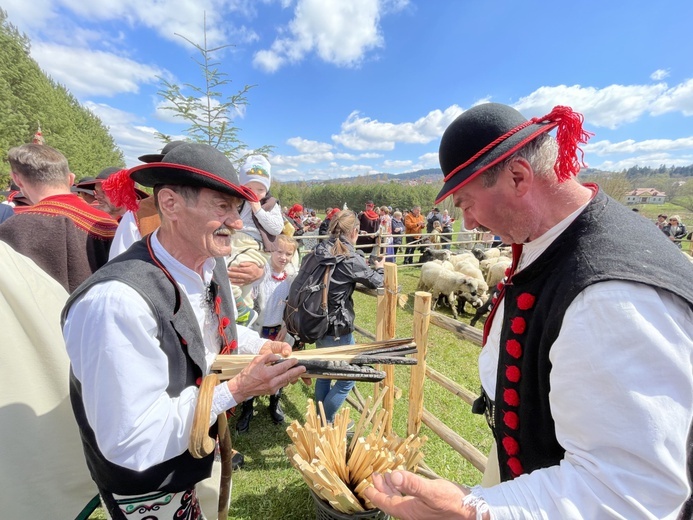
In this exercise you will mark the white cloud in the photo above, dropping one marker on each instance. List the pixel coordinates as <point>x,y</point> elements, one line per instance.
<point>678,98</point>
<point>653,160</point>
<point>339,32</point>
<point>631,146</point>
<point>659,74</point>
<point>390,165</point>
<point>308,146</point>
<point>93,73</point>
<point>609,107</point>
<point>130,134</point>
<point>429,160</point>
<point>364,133</point>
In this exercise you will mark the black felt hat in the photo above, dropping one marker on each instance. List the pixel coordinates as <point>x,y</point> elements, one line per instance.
<point>193,164</point>
<point>88,183</point>
<point>158,157</point>
<point>488,133</point>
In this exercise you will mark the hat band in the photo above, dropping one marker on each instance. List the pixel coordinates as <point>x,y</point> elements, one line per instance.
<point>493,144</point>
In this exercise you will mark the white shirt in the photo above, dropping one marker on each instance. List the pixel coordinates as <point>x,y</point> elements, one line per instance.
<point>126,234</point>
<point>272,295</point>
<point>621,398</point>
<point>110,334</point>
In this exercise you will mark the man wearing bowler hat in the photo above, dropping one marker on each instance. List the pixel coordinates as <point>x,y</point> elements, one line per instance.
<point>587,364</point>
<point>145,328</point>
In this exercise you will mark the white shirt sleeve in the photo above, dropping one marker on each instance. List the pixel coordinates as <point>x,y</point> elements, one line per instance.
<point>110,334</point>
<point>622,400</point>
<point>126,234</point>
<point>272,221</point>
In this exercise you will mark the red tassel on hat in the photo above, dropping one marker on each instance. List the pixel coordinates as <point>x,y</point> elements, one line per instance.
<point>120,189</point>
<point>568,134</point>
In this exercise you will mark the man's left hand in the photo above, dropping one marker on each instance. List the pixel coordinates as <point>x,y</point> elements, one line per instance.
<point>410,497</point>
<point>245,273</point>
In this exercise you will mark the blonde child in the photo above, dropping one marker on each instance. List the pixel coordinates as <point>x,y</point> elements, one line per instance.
<point>270,298</point>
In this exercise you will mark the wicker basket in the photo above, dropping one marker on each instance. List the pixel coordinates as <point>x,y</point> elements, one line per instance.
<point>323,511</point>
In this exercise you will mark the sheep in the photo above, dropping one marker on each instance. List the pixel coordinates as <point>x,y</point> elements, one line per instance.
<point>434,254</point>
<point>486,307</point>
<point>497,271</point>
<point>465,257</point>
<point>439,281</point>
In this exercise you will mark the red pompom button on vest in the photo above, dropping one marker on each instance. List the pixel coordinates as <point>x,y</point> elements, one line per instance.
<point>525,301</point>
<point>511,446</point>
<point>513,373</point>
<point>513,347</point>
<point>511,397</point>
<point>518,325</point>
<point>511,420</point>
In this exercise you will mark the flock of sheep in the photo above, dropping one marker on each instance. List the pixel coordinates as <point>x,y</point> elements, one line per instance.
<point>467,277</point>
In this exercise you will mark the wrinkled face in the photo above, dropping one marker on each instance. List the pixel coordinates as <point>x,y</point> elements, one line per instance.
<point>416,211</point>
<point>281,257</point>
<point>206,225</point>
<point>494,209</point>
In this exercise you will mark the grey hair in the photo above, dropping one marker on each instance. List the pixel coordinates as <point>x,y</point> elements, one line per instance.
<point>189,193</point>
<point>38,164</point>
<point>541,153</point>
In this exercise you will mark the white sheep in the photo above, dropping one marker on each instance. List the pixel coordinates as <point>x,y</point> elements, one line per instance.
<point>496,272</point>
<point>439,281</point>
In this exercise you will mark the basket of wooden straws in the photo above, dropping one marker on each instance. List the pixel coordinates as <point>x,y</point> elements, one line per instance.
<point>338,470</point>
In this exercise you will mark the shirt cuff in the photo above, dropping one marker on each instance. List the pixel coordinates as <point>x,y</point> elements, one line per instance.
<point>222,400</point>
<point>475,500</point>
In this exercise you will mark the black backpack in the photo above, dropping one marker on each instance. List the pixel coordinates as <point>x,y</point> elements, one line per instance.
<point>306,314</point>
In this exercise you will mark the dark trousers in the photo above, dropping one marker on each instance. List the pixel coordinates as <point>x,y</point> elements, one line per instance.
<point>410,250</point>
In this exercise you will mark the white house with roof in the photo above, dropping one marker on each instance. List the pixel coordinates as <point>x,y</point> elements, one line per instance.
<point>645,196</point>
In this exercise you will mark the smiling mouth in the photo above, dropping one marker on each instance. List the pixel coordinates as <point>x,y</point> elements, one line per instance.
<point>223,232</point>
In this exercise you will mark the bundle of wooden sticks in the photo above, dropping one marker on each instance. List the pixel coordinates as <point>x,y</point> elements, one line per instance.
<point>343,362</point>
<point>338,470</point>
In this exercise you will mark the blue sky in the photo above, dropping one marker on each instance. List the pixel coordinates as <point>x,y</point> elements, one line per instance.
<point>357,87</point>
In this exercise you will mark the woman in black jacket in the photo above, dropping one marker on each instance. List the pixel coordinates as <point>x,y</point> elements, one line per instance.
<point>352,269</point>
<point>675,230</point>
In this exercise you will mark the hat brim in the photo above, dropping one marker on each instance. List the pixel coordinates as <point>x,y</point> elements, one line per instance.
<point>151,157</point>
<point>151,174</point>
<point>90,185</point>
<point>495,155</point>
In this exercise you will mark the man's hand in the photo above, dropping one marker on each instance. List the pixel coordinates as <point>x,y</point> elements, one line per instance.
<point>261,377</point>
<point>245,273</point>
<point>276,347</point>
<point>409,497</point>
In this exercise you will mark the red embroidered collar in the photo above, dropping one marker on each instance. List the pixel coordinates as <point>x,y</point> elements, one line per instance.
<point>281,277</point>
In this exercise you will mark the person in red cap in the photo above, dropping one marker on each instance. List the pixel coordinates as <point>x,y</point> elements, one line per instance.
<point>587,363</point>
<point>369,222</point>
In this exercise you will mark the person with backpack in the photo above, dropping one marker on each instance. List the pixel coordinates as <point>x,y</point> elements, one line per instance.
<point>347,268</point>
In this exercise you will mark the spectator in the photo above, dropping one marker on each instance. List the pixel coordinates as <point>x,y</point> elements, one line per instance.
<point>344,230</point>
<point>65,236</point>
<point>369,221</point>
<point>661,221</point>
<point>675,230</point>
<point>446,221</point>
<point>397,230</point>
<point>414,222</point>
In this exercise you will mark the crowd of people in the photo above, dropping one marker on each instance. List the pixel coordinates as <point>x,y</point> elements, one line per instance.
<point>586,369</point>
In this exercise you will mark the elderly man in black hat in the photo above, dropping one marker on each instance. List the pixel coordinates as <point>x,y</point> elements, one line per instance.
<point>587,364</point>
<point>145,328</point>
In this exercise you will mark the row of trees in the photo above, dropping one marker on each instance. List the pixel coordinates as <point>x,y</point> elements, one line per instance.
<point>29,97</point>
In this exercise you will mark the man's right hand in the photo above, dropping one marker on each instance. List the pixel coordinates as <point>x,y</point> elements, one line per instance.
<point>261,377</point>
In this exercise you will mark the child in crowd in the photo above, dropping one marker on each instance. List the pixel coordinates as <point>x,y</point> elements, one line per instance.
<point>270,298</point>
<point>262,223</point>
<point>435,234</point>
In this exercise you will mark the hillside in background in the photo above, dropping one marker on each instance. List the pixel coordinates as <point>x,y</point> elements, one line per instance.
<point>28,97</point>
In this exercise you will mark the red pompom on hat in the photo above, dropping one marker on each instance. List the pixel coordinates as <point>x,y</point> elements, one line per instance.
<point>120,190</point>
<point>487,134</point>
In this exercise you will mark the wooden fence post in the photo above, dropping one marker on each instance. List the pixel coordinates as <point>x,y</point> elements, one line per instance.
<point>389,326</point>
<point>422,317</point>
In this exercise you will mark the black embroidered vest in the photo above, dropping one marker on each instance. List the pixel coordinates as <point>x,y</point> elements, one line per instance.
<point>181,341</point>
<point>606,242</point>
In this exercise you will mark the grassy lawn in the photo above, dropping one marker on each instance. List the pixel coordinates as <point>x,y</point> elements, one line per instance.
<point>268,487</point>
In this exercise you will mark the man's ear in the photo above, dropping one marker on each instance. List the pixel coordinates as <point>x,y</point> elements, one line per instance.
<point>521,175</point>
<point>169,203</point>
<point>17,180</point>
<point>71,179</point>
